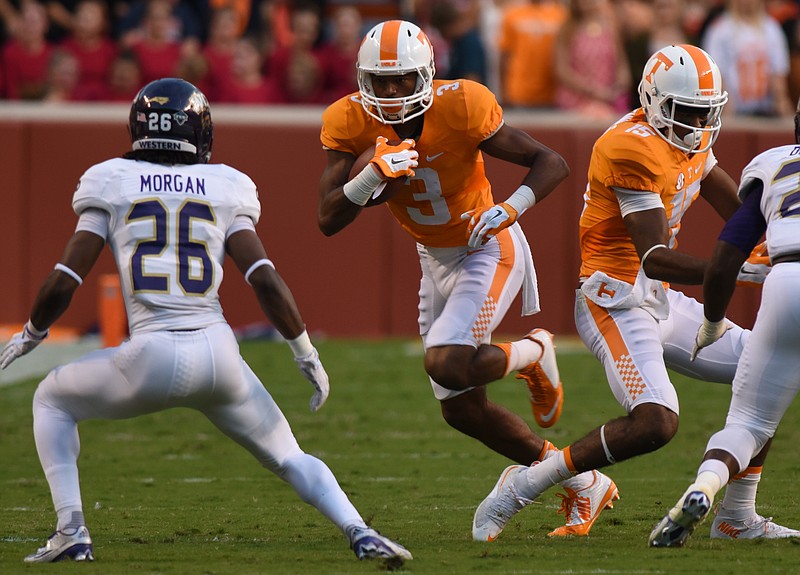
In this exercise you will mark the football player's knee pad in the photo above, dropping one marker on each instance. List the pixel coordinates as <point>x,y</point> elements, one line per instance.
<point>739,441</point>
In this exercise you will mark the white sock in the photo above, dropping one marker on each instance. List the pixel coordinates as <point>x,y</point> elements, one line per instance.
<point>58,445</point>
<point>315,483</point>
<point>543,475</point>
<point>740,496</point>
<point>523,353</point>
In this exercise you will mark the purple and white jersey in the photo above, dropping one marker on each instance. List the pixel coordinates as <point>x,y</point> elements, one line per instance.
<point>779,170</point>
<point>167,229</point>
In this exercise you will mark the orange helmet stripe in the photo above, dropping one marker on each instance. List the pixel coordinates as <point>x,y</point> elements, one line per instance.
<point>705,75</point>
<point>389,35</point>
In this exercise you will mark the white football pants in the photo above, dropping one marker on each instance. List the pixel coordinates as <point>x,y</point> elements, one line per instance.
<point>636,349</point>
<point>155,371</point>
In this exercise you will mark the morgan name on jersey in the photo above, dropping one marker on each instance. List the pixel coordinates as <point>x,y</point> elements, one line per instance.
<point>179,183</point>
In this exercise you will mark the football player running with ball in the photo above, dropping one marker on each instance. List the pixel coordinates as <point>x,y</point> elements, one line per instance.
<point>644,173</point>
<point>169,242</point>
<point>765,382</point>
<point>473,253</point>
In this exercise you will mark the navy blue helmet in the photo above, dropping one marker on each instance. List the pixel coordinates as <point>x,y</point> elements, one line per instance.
<point>171,114</point>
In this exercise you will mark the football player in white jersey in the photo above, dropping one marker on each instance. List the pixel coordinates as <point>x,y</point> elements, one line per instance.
<point>768,374</point>
<point>169,217</point>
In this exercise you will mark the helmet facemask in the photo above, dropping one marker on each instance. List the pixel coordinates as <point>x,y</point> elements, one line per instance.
<point>396,110</point>
<point>681,81</point>
<point>395,48</point>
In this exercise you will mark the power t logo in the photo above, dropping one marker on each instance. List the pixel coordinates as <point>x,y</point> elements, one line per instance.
<point>661,60</point>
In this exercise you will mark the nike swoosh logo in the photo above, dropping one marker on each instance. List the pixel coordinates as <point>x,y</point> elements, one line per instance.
<point>432,158</point>
<point>550,415</point>
<point>395,161</point>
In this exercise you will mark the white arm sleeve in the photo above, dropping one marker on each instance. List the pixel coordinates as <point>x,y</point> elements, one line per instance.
<point>711,161</point>
<point>631,201</point>
<point>240,223</point>
<point>94,220</point>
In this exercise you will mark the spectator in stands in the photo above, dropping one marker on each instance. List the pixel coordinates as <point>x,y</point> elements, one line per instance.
<point>246,83</point>
<point>649,26</point>
<point>156,45</point>
<point>92,47</point>
<point>752,53</point>
<point>637,17</point>
<point>590,64</point>
<point>304,81</point>
<point>218,51</point>
<point>339,54</point>
<point>63,83</point>
<point>186,23</point>
<point>242,9</point>
<point>459,29</point>
<point>272,27</point>
<point>26,56</point>
<point>527,43</point>
<point>9,19</point>
<point>124,79</point>
<point>295,71</point>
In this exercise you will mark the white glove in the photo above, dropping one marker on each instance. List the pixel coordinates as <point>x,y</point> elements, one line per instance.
<point>708,333</point>
<point>752,274</point>
<point>395,161</point>
<point>755,269</point>
<point>312,370</point>
<point>489,222</point>
<point>20,344</point>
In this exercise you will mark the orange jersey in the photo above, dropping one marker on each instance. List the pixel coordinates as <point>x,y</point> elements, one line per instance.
<point>450,178</point>
<point>631,155</point>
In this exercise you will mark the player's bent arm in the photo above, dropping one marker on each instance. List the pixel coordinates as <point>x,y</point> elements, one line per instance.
<point>649,228</point>
<point>274,296</point>
<point>547,168</point>
<point>277,302</point>
<point>720,191</point>
<point>335,210</point>
<point>55,295</point>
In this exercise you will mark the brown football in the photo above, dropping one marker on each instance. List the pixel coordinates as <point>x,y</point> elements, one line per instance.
<point>393,185</point>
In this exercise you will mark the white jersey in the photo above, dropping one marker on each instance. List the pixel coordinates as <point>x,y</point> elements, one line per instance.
<point>167,231</point>
<point>778,169</point>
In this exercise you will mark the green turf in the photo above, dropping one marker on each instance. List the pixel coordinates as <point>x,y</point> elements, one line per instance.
<point>168,494</point>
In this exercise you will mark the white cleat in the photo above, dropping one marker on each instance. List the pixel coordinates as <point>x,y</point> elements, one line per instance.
<point>676,526</point>
<point>756,527</point>
<point>70,543</point>
<point>367,543</point>
<point>502,503</point>
<point>582,505</point>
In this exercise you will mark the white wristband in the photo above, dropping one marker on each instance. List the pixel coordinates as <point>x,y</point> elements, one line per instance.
<point>255,266</point>
<point>301,345</point>
<point>36,333</point>
<point>521,200</point>
<point>650,251</point>
<point>360,189</point>
<point>69,272</point>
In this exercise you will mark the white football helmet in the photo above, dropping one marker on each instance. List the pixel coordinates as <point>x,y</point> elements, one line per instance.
<point>393,48</point>
<point>684,77</point>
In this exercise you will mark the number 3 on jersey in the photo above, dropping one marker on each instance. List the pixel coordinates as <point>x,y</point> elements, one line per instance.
<point>186,250</point>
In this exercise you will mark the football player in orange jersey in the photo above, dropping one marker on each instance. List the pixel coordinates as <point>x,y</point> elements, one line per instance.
<point>644,173</point>
<point>474,256</point>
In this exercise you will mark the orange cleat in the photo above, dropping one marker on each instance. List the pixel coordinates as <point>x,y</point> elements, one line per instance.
<point>544,383</point>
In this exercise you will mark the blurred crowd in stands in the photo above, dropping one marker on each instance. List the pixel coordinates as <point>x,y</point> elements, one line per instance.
<point>580,55</point>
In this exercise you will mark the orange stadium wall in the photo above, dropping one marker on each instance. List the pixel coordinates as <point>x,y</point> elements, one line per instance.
<point>360,283</point>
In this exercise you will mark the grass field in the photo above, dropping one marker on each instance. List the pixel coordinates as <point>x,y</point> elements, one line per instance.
<point>168,494</point>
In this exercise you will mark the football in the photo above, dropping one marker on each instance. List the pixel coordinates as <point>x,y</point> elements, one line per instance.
<point>393,186</point>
